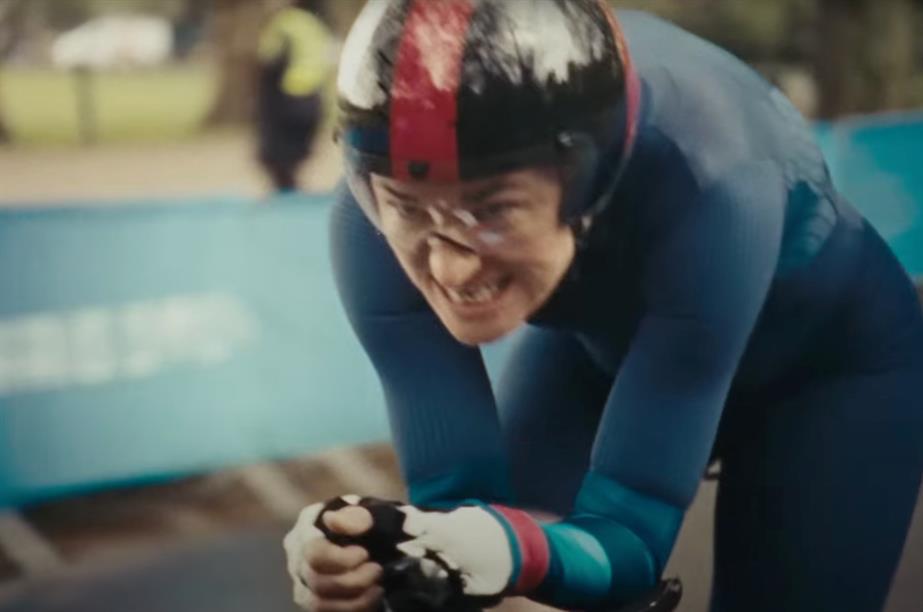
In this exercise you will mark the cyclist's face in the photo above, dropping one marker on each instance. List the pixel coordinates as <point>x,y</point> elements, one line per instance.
<point>486,254</point>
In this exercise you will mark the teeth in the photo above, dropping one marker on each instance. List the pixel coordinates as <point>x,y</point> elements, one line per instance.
<point>474,295</point>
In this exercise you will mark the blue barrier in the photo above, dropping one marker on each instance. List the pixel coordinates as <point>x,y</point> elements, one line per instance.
<point>875,161</point>
<point>145,342</point>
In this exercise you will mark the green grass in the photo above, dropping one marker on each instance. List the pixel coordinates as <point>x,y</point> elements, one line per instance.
<point>40,106</point>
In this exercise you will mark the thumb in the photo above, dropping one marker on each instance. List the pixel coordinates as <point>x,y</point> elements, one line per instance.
<point>350,521</point>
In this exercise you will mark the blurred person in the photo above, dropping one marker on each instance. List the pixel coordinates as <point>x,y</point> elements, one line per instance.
<point>689,286</point>
<point>295,57</point>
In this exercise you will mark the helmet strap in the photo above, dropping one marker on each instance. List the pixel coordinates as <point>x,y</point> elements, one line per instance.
<point>581,227</point>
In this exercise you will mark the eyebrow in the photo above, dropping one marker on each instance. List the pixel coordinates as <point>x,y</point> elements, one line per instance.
<point>473,197</point>
<point>488,190</point>
<point>399,194</point>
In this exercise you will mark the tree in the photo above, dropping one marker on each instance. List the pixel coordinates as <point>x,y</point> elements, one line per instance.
<point>341,14</point>
<point>864,55</point>
<point>234,35</point>
<point>11,16</point>
<point>235,32</point>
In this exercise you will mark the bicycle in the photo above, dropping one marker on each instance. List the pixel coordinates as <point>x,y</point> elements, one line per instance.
<point>408,589</point>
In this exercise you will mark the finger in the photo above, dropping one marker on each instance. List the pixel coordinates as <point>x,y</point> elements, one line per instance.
<point>324,557</point>
<point>367,602</point>
<point>351,520</point>
<point>303,597</point>
<point>347,585</point>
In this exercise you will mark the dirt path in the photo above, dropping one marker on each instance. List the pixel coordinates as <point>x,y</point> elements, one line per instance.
<point>216,164</point>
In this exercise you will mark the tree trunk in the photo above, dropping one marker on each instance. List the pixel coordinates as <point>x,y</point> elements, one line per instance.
<point>340,14</point>
<point>891,49</point>
<point>864,55</point>
<point>4,131</point>
<point>235,35</point>
<point>11,17</point>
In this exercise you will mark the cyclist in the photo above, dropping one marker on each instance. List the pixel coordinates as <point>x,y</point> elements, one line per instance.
<point>658,223</point>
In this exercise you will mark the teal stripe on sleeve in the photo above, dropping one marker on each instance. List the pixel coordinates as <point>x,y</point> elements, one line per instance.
<point>476,480</point>
<point>579,572</point>
<point>633,567</point>
<point>655,522</point>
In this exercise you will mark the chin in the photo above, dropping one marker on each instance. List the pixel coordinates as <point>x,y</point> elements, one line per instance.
<point>475,334</point>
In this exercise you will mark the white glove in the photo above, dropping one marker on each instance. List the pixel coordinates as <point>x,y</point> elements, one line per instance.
<point>469,540</point>
<point>432,559</point>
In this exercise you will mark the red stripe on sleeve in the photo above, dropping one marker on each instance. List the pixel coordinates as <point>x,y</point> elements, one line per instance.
<point>424,108</point>
<point>533,547</point>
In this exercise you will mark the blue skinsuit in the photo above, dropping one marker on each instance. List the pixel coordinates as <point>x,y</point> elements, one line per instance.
<point>728,304</point>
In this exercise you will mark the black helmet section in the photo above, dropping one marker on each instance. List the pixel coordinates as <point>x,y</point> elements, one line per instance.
<point>459,89</point>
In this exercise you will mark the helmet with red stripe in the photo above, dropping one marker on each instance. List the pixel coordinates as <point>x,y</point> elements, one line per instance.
<point>453,90</point>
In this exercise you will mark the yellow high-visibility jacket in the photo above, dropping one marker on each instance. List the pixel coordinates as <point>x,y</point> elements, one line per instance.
<point>308,45</point>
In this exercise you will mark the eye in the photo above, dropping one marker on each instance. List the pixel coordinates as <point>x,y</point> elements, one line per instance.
<point>406,210</point>
<point>492,211</point>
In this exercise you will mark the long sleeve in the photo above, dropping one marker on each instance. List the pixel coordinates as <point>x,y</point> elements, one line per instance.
<point>440,403</point>
<point>705,281</point>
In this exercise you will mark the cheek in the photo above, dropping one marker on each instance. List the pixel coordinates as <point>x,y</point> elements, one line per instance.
<point>545,265</point>
<point>548,255</point>
<point>413,261</point>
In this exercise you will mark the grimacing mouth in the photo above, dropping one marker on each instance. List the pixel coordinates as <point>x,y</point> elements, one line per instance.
<point>477,292</point>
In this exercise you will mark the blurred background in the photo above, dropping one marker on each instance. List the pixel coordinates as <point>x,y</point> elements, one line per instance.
<point>176,379</point>
<point>175,80</point>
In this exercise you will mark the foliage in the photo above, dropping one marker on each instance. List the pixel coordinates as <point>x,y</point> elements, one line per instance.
<point>863,53</point>
<point>40,105</point>
<point>757,30</point>
<point>67,14</point>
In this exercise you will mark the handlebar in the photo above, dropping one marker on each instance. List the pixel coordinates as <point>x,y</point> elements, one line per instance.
<point>408,589</point>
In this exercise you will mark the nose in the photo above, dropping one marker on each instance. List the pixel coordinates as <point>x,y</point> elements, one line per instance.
<point>452,264</point>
